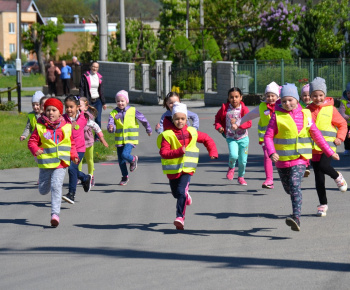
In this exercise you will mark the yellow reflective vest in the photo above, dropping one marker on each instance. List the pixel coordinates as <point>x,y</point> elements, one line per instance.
<point>32,120</point>
<point>264,120</point>
<point>290,144</point>
<point>54,153</point>
<point>347,109</point>
<point>129,131</point>
<point>324,124</point>
<point>188,162</point>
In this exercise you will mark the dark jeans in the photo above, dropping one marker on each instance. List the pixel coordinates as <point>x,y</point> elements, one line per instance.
<point>321,168</point>
<point>179,187</point>
<point>74,174</point>
<point>124,155</point>
<point>98,106</point>
<point>347,141</point>
<point>52,88</point>
<point>66,86</point>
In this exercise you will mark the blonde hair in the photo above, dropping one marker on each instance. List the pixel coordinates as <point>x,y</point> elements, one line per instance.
<point>91,109</point>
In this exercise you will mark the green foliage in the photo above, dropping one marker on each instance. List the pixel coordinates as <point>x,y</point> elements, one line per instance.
<point>270,53</point>
<point>13,57</point>
<point>211,48</point>
<point>182,52</point>
<point>31,80</point>
<point>7,106</point>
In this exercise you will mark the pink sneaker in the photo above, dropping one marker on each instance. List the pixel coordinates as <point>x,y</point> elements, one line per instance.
<point>230,173</point>
<point>241,181</point>
<point>188,199</point>
<point>55,220</point>
<point>268,184</point>
<point>179,223</point>
<point>92,181</point>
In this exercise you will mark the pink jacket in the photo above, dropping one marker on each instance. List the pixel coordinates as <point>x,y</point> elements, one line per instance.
<point>78,130</point>
<point>298,118</point>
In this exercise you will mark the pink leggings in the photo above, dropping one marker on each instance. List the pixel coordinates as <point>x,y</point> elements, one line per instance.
<point>267,165</point>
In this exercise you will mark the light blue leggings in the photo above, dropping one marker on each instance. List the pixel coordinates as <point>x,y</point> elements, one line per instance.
<point>238,149</point>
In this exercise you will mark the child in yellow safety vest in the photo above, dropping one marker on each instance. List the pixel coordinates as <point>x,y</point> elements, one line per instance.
<point>334,128</point>
<point>180,154</point>
<point>288,140</point>
<point>53,145</point>
<point>123,122</point>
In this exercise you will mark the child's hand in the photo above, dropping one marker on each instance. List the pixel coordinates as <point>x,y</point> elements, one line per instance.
<point>157,126</point>
<point>274,157</point>
<point>233,121</point>
<point>234,126</point>
<point>76,160</point>
<point>110,128</point>
<point>337,141</point>
<point>39,152</point>
<point>149,134</point>
<point>22,138</point>
<point>103,141</point>
<point>335,156</point>
<point>183,149</point>
<point>213,157</point>
<point>221,130</point>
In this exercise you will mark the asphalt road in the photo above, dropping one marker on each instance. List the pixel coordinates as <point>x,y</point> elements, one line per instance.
<point>117,237</point>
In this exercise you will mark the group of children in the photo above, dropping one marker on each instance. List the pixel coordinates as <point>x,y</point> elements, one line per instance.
<point>289,133</point>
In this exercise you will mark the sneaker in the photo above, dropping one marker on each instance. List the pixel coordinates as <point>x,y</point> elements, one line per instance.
<point>78,181</point>
<point>69,197</point>
<point>188,199</point>
<point>241,181</point>
<point>293,222</point>
<point>322,210</point>
<point>55,220</point>
<point>341,183</point>
<point>133,165</point>
<point>87,183</point>
<point>268,183</point>
<point>124,180</point>
<point>346,152</point>
<point>307,172</point>
<point>179,223</point>
<point>230,173</point>
<point>92,181</point>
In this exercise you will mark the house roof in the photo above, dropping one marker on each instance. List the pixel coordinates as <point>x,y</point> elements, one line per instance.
<point>26,6</point>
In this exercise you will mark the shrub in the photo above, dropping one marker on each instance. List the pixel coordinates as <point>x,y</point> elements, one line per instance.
<point>8,106</point>
<point>270,53</point>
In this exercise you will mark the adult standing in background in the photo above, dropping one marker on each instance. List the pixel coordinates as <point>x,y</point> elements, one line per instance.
<point>51,76</point>
<point>66,72</point>
<point>91,88</point>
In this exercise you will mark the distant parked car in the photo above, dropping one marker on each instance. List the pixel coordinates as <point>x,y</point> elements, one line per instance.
<point>9,70</point>
<point>30,67</point>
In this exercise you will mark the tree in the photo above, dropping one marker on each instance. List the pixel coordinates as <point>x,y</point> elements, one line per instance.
<point>41,37</point>
<point>271,53</point>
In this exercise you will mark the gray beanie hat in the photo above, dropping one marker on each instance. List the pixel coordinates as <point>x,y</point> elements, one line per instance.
<point>318,84</point>
<point>290,90</point>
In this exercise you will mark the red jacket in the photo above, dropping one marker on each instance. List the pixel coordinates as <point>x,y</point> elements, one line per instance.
<point>185,138</point>
<point>35,142</point>
<point>220,117</point>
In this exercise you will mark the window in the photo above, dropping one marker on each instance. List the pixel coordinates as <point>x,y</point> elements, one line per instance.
<point>11,27</point>
<point>25,27</point>
<point>12,47</point>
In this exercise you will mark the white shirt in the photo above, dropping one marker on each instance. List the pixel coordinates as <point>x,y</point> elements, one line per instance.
<point>94,81</point>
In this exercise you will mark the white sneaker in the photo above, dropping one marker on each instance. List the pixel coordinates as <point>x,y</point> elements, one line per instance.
<point>341,183</point>
<point>346,152</point>
<point>322,210</point>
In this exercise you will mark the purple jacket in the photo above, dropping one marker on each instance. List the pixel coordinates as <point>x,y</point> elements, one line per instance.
<point>298,117</point>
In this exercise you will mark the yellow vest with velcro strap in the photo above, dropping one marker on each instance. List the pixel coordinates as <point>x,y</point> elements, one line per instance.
<point>32,120</point>
<point>54,153</point>
<point>129,131</point>
<point>188,162</point>
<point>324,124</point>
<point>264,120</point>
<point>347,109</point>
<point>289,144</point>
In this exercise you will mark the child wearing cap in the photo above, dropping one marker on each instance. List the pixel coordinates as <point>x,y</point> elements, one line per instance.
<point>33,116</point>
<point>123,122</point>
<point>344,110</point>
<point>334,128</point>
<point>264,111</point>
<point>288,141</point>
<point>305,96</point>
<point>53,145</point>
<point>179,155</point>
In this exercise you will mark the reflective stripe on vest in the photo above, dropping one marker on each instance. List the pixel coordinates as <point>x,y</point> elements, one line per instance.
<point>288,143</point>
<point>32,120</point>
<point>324,124</point>
<point>264,121</point>
<point>127,132</point>
<point>188,162</point>
<point>347,109</point>
<point>54,153</point>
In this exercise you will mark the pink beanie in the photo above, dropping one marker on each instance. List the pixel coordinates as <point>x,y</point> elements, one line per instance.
<point>305,88</point>
<point>123,94</point>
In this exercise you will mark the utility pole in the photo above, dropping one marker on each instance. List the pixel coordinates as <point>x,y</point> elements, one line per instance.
<point>201,21</point>
<point>18,59</point>
<point>103,30</point>
<point>122,25</point>
<point>187,16</point>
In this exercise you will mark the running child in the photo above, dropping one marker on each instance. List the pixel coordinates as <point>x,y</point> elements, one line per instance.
<point>344,110</point>
<point>123,121</point>
<point>288,140</point>
<point>53,145</point>
<point>265,111</point>
<point>78,120</point>
<point>180,157</point>
<point>89,137</point>
<point>236,136</point>
<point>168,103</point>
<point>334,129</point>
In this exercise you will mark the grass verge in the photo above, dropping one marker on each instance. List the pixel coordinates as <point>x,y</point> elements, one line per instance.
<point>31,80</point>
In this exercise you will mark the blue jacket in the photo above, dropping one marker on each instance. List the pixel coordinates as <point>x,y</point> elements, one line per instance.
<point>66,71</point>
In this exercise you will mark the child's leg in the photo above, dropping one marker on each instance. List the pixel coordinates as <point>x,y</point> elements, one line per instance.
<point>233,152</point>
<point>44,180</point>
<point>267,165</point>
<point>89,157</point>
<point>178,189</point>
<point>243,145</point>
<point>73,172</point>
<point>126,155</point>
<point>291,180</point>
<point>57,178</point>
<point>347,141</point>
<point>121,161</point>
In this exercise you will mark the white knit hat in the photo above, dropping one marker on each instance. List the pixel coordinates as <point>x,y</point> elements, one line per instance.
<point>273,88</point>
<point>179,108</point>
<point>123,94</point>
<point>37,96</point>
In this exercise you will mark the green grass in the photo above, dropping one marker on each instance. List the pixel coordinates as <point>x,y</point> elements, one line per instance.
<point>32,80</point>
<point>15,154</point>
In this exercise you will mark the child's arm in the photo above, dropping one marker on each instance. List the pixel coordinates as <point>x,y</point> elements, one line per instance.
<point>342,111</point>
<point>167,153</point>
<point>209,143</point>
<point>159,126</point>
<point>339,122</point>
<point>26,131</point>
<point>111,125</point>
<point>34,144</point>
<point>270,133</point>
<point>139,116</point>
<point>94,126</point>
<point>73,151</point>
<point>219,126</point>
<point>194,118</point>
